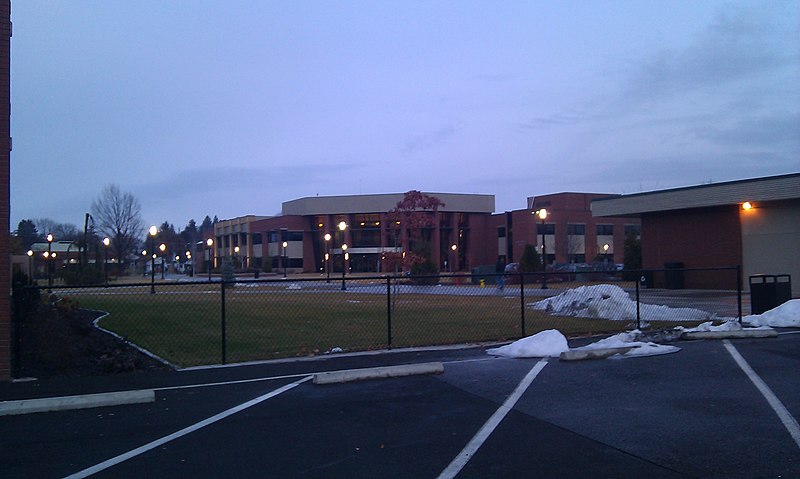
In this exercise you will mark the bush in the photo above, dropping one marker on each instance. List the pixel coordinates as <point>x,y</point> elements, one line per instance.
<point>425,273</point>
<point>530,260</point>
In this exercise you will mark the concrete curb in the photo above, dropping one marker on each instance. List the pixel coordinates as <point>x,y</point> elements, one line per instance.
<point>348,375</point>
<point>744,333</point>
<point>601,353</point>
<point>62,403</point>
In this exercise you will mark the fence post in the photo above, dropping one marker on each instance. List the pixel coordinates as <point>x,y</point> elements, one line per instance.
<point>638,314</point>
<point>222,323</point>
<point>739,290</point>
<point>389,311</point>
<point>522,303</point>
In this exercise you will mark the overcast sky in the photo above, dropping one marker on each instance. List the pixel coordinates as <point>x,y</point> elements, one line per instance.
<point>229,108</point>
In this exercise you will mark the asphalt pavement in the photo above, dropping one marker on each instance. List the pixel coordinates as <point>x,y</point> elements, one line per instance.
<point>695,413</point>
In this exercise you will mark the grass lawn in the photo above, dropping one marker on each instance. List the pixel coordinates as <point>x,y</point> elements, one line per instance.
<point>182,323</point>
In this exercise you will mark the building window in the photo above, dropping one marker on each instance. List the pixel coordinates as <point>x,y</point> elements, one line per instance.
<point>546,229</point>
<point>635,230</point>
<point>273,237</point>
<point>256,238</point>
<point>501,232</point>
<point>294,236</point>
<point>576,230</point>
<point>605,230</point>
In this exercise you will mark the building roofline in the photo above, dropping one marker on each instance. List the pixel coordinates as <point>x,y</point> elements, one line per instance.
<point>382,202</point>
<point>767,188</point>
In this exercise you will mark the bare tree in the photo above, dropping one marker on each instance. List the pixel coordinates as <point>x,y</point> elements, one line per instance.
<point>119,216</point>
<point>61,231</point>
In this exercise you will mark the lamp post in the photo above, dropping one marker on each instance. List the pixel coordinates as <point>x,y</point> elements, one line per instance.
<point>236,256</point>
<point>328,256</point>
<point>153,232</point>
<point>106,243</point>
<point>49,262</point>
<point>285,257</point>
<point>605,253</point>
<point>209,243</point>
<point>342,228</point>
<point>344,263</point>
<point>191,267</point>
<point>30,266</point>
<point>453,248</point>
<point>542,214</point>
<point>163,248</point>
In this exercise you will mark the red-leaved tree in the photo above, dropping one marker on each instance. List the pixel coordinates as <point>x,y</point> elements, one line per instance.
<point>415,212</point>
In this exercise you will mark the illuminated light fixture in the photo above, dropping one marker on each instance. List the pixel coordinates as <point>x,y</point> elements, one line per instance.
<point>747,205</point>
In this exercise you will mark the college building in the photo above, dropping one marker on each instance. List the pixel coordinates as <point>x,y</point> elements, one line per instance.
<point>465,233</point>
<point>754,223</point>
<point>307,236</point>
<point>569,232</point>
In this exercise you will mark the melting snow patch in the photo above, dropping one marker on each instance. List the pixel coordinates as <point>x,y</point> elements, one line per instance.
<point>786,315</point>
<point>605,301</point>
<point>631,339</point>
<point>550,343</point>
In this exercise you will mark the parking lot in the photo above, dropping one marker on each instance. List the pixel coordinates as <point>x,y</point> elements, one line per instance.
<point>701,412</point>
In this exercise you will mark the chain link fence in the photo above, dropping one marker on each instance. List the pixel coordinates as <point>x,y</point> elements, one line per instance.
<point>192,323</point>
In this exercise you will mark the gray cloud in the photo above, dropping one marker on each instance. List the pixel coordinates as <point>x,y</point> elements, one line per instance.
<point>430,139</point>
<point>740,44</point>
<point>767,131</point>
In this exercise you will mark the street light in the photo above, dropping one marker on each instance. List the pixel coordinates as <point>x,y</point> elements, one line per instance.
<point>236,255</point>
<point>191,267</point>
<point>605,253</point>
<point>49,262</point>
<point>328,256</point>
<point>30,266</point>
<point>209,243</point>
<point>106,242</point>
<point>453,248</point>
<point>542,214</point>
<point>342,228</point>
<point>285,257</point>
<point>163,248</point>
<point>153,232</point>
<point>344,263</point>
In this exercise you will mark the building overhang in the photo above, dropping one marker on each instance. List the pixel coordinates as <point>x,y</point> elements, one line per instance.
<point>772,188</point>
<point>381,203</point>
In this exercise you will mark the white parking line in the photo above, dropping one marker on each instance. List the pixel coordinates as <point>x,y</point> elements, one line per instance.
<point>786,418</point>
<point>477,441</point>
<point>158,442</point>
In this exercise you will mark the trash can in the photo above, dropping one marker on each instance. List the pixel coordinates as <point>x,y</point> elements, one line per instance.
<point>673,276</point>
<point>768,291</point>
<point>646,279</point>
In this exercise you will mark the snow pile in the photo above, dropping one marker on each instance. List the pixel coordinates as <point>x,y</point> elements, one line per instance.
<point>786,315</point>
<point>550,343</point>
<point>709,326</point>
<point>605,301</point>
<point>632,339</point>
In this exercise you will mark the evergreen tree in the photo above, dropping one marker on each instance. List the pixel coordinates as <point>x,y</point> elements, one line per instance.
<point>530,260</point>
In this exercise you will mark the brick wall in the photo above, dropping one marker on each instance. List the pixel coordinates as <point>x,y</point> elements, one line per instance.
<point>5,153</point>
<point>698,238</point>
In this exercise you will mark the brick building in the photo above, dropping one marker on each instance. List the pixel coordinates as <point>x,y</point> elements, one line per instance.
<point>304,222</point>
<point>5,195</point>
<point>571,233</point>
<point>754,223</point>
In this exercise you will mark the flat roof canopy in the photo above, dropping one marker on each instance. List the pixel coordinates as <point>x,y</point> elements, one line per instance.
<point>772,188</point>
<point>333,205</point>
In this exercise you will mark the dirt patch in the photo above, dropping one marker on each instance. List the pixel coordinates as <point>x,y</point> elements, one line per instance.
<point>59,339</point>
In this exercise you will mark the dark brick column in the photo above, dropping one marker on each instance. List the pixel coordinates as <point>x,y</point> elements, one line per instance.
<point>5,199</point>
